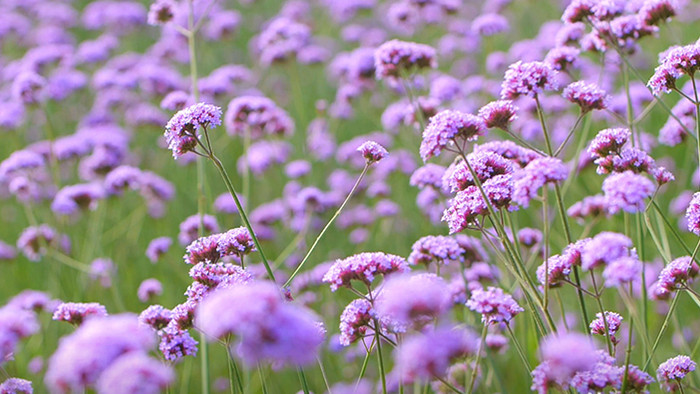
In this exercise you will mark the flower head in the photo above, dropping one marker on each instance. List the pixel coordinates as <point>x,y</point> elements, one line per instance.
<point>613,321</point>
<point>412,300</point>
<point>394,58</point>
<point>587,96</point>
<point>447,126</point>
<point>528,79</point>
<point>627,191</point>
<point>372,151</point>
<point>363,267</point>
<point>182,130</point>
<point>77,313</point>
<point>494,305</point>
<point>674,369</point>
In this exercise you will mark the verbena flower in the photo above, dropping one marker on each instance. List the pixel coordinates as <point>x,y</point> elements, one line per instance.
<point>156,317</point>
<point>613,320</point>
<point>412,300</point>
<point>528,79</point>
<point>677,273</point>
<point>438,248</point>
<point>363,267</point>
<point>608,141</point>
<point>136,372</point>
<point>16,386</point>
<point>176,343</point>
<point>157,248</point>
<point>494,305</point>
<point>603,249</point>
<point>148,289</point>
<point>355,321</point>
<point>556,351</point>
<point>692,214</point>
<point>469,203</point>
<point>679,60</point>
<point>446,127</point>
<point>257,116</point>
<point>499,114</point>
<point>372,152</point>
<point>394,58</point>
<point>673,370</point>
<point>161,12</point>
<point>627,191</point>
<point>77,313</point>
<point>587,96</point>
<point>183,129</point>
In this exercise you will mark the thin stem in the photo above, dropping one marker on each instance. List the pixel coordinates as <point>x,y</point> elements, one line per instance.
<point>242,213</point>
<point>380,358</point>
<point>571,133</point>
<point>478,358</point>
<point>661,331</point>
<point>449,385</point>
<point>602,316</point>
<point>233,370</point>
<point>262,379</point>
<point>363,369</point>
<point>697,115</point>
<point>628,353</point>
<point>328,225</point>
<point>302,379</point>
<point>523,358</point>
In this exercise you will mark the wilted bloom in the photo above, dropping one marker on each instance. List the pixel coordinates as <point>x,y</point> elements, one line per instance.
<point>446,127</point>
<point>82,356</point>
<point>396,58</point>
<point>16,386</point>
<point>674,369</point>
<point>135,372</point>
<point>417,299</point>
<point>587,96</point>
<point>499,114</point>
<point>425,356</point>
<point>494,305</point>
<point>149,288</point>
<point>76,313</point>
<point>363,267</point>
<point>627,191</point>
<point>372,151</point>
<point>157,248</point>
<point>438,248</point>
<point>355,320</point>
<point>182,130</point>
<point>613,320</point>
<point>529,79</point>
<point>267,328</point>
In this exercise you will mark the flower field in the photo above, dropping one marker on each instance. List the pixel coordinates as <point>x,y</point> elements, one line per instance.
<point>357,196</point>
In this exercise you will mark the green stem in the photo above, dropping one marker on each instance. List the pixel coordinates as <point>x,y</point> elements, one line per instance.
<point>380,358</point>
<point>521,353</point>
<point>478,359</point>
<point>262,379</point>
<point>328,225</point>
<point>628,353</point>
<point>233,370</point>
<point>302,379</point>
<point>697,116</point>
<point>661,331</point>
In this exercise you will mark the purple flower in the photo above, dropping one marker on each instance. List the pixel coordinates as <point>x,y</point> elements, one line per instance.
<point>355,320</point>
<point>182,130</point>
<point>372,152</point>
<point>28,87</point>
<point>363,267</point>
<point>135,372</point>
<point>627,191</point>
<point>587,96</point>
<point>77,313</point>
<point>148,289</point>
<point>499,114</point>
<point>189,228</point>
<point>485,164</point>
<point>603,249</point>
<point>562,58</point>
<point>425,356</point>
<point>34,300</point>
<point>266,327</point>
<point>102,270</point>
<point>556,351</point>
<point>156,317</point>
<point>638,380</point>
<point>494,305</point>
<point>257,116</point>
<point>161,12</point>
<point>509,150</point>
<point>529,79</point>
<point>438,248</point>
<point>692,214</point>
<point>677,61</point>
<point>281,39</point>
<point>604,374</point>
<point>608,142</point>
<point>176,343</point>
<point>674,369</point>
<point>489,24</point>
<point>16,386</point>
<point>469,204</point>
<point>82,356</point>
<point>34,240</point>
<point>591,206</point>
<point>555,270</point>
<point>412,300</point>
<point>70,199</point>
<point>529,237</point>
<point>446,127</point>
<point>7,252</point>
<point>613,320</point>
<point>398,58</point>
<point>678,272</point>
<point>654,12</point>
<point>428,175</point>
<point>236,241</point>
<point>622,270</point>
<point>15,324</point>
<point>157,248</point>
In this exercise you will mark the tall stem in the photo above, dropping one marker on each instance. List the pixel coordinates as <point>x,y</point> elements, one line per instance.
<point>697,116</point>
<point>320,235</point>
<point>478,359</point>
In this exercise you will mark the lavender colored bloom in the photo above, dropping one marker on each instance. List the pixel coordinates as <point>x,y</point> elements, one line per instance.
<point>469,204</point>
<point>176,343</point>
<point>494,305</point>
<point>363,267</point>
<point>412,300</point>
<point>677,61</point>
<point>438,248</point>
<point>161,12</point>
<point>297,169</point>
<point>654,12</point>
<point>148,289</point>
<point>622,270</point>
<point>157,248</point>
<point>489,24</point>
<point>28,88</point>
<point>77,313</point>
<point>257,116</point>
<point>603,249</point>
<point>499,114</point>
<point>485,164</point>
<point>203,250</point>
<point>15,324</point>
<point>397,58</point>
<point>135,372</point>
<point>7,252</point>
<point>509,150</point>
<point>34,240</point>
<point>102,270</point>
<point>189,228</point>
<point>21,161</point>
<point>266,326</point>
<point>627,191</point>
<point>82,356</point>
<point>591,206</point>
<point>692,214</point>
<point>678,272</point>
<point>587,96</point>
<point>34,300</point>
<point>604,374</point>
<point>282,39</point>
<point>673,370</point>
<point>447,126</point>
<point>554,271</point>
<point>70,199</point>
<point>182,130</point>
<point>425,356</point>
<point>16,386</point>
<point>156,317</point>
<point>237,241</point>
<point>613,320</point>
<point>556,351</point>
<point>372,152</point>
<point>562,58</point>
<point>529,79</point>
<point>529,237</point>
<point>534,176</point>
<point>428,175</point>
<point>261,155</point>
<point>355,320</point>
<point>608,142</point>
